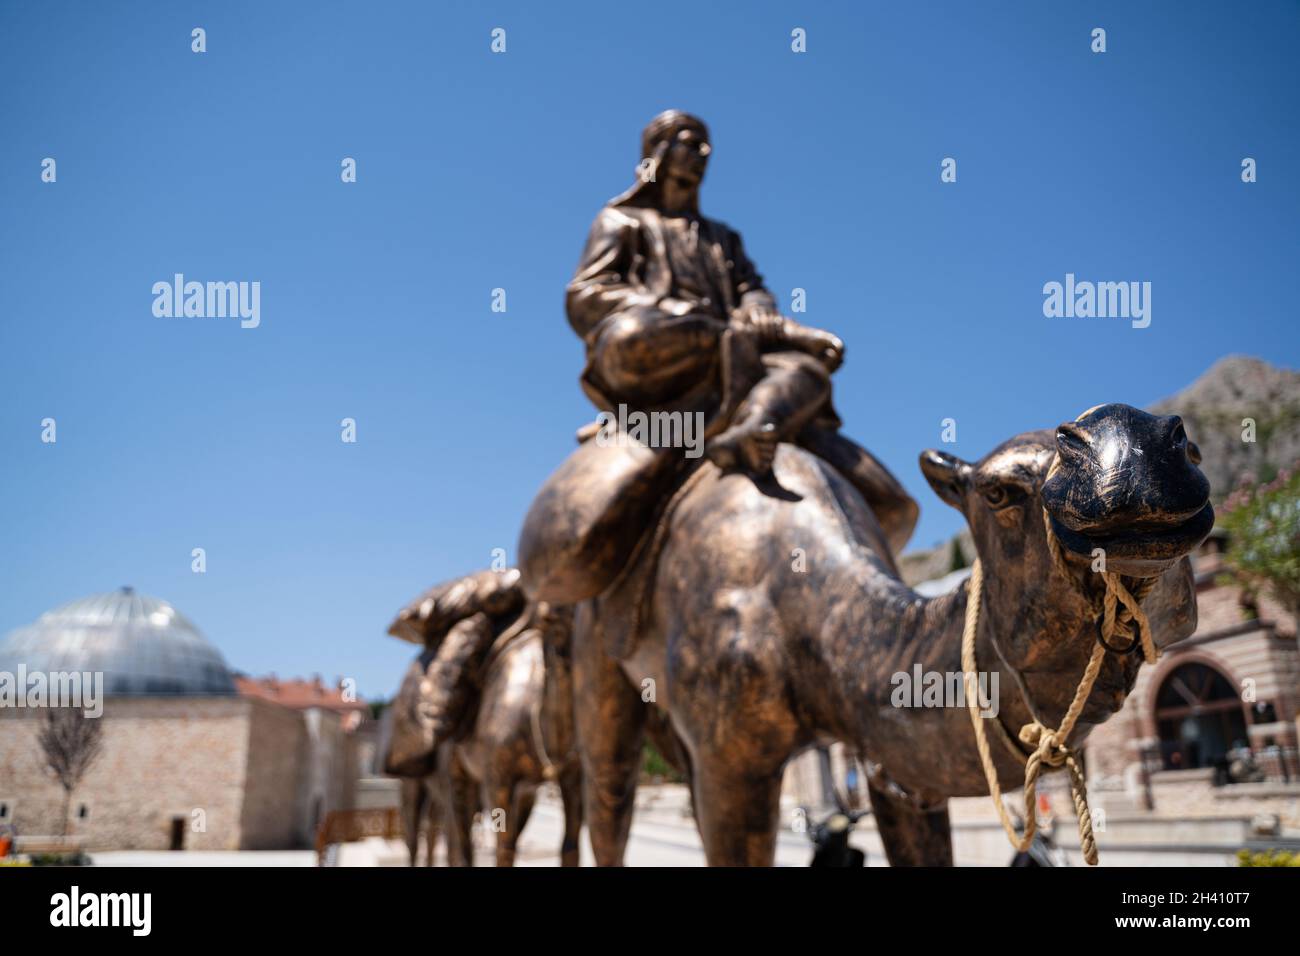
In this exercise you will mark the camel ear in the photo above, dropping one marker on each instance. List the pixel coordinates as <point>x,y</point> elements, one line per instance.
<point>948,475</point>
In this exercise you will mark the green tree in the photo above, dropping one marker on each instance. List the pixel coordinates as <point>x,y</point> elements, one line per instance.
<point>654,765</point>
<point>956,560</point>
<point>1263,525</point>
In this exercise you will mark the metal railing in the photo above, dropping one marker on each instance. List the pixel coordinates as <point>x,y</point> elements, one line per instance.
<point>348,826</point>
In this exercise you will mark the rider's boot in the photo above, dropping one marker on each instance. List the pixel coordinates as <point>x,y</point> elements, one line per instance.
<point>793,389</point>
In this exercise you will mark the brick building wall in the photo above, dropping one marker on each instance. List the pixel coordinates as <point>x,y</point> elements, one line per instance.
<point>1255,653</point>
<point>239,773</point>
<point>277,753</point>
<point>162,759</point>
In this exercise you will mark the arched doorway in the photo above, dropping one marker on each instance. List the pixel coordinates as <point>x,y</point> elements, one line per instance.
<point>1199,717</point>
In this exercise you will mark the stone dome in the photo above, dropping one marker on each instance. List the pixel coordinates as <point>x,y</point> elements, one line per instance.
<point>143,646</point>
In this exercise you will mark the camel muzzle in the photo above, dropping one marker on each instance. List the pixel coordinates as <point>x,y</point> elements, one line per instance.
<point>1127,482</point>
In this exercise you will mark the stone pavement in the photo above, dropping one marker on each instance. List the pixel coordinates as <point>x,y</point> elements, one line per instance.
<point>663,834</point>
<point>205,858</point>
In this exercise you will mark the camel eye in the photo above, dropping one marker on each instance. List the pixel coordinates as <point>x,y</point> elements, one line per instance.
<point>1001,496</point>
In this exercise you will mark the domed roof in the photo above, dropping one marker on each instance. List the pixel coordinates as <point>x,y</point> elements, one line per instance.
<point>142,645</point>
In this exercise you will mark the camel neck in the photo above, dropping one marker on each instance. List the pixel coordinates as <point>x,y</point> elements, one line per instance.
<point>895,660</point>
<point>884,630</point>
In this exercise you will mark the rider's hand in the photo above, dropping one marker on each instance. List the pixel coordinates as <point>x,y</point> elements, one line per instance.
<point>766,320</point>
<point>833,356</point>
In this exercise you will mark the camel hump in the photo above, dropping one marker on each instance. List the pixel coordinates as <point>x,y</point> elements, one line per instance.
<point>586,520</point>
<point>718,513</point>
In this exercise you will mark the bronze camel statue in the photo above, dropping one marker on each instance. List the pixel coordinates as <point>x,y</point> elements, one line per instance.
<point>756,657</point>
<point>509,729</point>
<point>521,737</point>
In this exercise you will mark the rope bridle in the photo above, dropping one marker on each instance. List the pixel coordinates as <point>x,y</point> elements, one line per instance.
<point>1121,612</point>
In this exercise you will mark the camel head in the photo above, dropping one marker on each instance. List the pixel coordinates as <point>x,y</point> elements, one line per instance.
<point>1126,482</point>
<point>1116,478</point>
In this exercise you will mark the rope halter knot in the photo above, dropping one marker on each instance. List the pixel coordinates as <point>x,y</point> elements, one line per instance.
<point>1043,742</point>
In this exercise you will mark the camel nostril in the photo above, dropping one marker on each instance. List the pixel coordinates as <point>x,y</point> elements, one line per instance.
<point>1071,438</point>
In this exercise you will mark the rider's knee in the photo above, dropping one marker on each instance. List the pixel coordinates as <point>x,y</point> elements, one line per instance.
<point>800,363</point>
<point>619,352</point>
<point>816,378</point>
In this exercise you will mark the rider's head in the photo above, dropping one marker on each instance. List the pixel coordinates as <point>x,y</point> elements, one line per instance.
<point>674,145</point>
<point>678,144</point>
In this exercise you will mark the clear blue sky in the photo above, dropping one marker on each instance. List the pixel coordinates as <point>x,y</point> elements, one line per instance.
<point>479,171</point>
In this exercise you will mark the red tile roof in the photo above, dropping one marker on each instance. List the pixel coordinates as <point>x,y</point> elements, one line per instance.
<point>299,694</point>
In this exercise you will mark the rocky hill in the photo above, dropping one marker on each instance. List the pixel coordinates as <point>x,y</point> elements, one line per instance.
<point>1213,409</point>
<point>932,563</point>
<point>1237,388</point>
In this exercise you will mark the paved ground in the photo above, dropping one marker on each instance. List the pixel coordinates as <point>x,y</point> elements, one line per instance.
<point>205,858</point>
<point>663,834</point>
<point>658,839</point>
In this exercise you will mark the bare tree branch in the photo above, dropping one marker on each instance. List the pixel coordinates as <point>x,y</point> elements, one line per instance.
<point>71,742</point>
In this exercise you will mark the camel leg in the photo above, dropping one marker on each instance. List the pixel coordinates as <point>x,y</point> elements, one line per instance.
<point>516,801</point>
<point>413,802</point>
<point>610,727</point>
<point>436,816</point>
<point>465,797</point>
<point>520,809</point>
<point>738,813</point>
<point>912,837</point>
<point>571,794</point>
